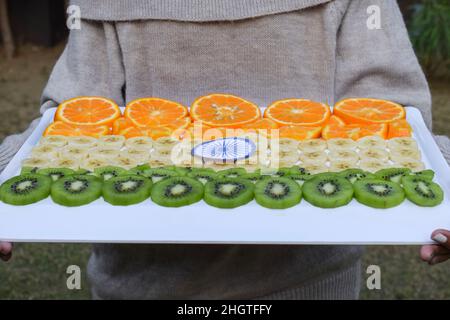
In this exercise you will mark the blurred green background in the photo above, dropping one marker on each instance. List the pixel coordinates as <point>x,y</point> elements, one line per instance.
<point>38,271</point>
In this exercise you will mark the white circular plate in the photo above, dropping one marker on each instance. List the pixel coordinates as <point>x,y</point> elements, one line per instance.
<point>226,150</point>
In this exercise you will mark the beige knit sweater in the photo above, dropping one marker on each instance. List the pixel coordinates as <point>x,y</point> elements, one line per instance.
<point>262,50</point>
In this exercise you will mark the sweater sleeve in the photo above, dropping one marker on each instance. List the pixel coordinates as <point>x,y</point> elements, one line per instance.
<point>378,62</point>
<point>91,65</point>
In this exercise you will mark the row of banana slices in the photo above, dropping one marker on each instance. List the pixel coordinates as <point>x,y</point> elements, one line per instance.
<point>369,153</point>
<point>90,153</point>
<point>316,155</point>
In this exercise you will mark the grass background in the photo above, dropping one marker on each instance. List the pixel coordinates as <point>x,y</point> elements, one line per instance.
<point>38,271</point>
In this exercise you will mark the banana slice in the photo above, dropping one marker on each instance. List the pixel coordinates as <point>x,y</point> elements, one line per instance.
<point>260,140</point>
<point>284,144</point>
<point>48,151</point>
<point>144,143</point>
<point>74,152</point>
<point>165,143</point>
<point>37,162</point>
<point>413,164</point>
<point>92,163</point>
<point>316,156</point>
<point>397,154</point>
<point>57,141</point>
<point>67,162</point>
<point>312,145</point>
<point>189,162</point>
<point>286,163</point>
<point>141,156</point>
<point>104,152</point>
<point>370,142</point>
<point>341,144</point>
<point>155,163</point>
<point>341,165</point>
<point>165,154</point>
<point>218,166</point>
<point>252,160</point>
<point>314,168</point>
<point>374,154</point>
<point>347,155</point>
<point>250,168</point>
<point>402,143</point>
<point>86,142</point>
<point>373,165</point>
<point>125,162</point>
<point>112,141</point>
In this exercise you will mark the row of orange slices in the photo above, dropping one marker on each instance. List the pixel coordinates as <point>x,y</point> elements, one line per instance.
<point>294,118</point>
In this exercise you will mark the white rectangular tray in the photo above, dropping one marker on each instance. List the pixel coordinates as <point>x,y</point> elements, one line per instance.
<point>251,224</point>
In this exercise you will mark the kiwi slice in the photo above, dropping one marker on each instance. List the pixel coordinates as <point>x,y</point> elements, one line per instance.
<point>378,193</point>
<point>203,176</point>
<point>278,193</point>
<point>231,173</point>
<point>140,169</point>
<point>299,170</point>
<point>109,172</point>
<point>25,189</point>
<point>56,173</point>
<point>26,170</point>
<point>82,171</point>
<point>228,192</point>
<point>299,178</point>
<point>76,190</point>
<point>158,174</point>
<point>126,189</point>
<point>422,191</point>
<point>393,174</point>
<point>177,192</point>
<point>327,191</point>
<point>426,174</point>
<point>354,175</point>
<point>253,177</point>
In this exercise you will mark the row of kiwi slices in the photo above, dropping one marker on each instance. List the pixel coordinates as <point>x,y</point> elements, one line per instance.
<point>231,188</point>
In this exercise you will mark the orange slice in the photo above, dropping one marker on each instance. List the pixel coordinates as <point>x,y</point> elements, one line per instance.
<point>177,124</point>
<point>368,111</point>
<point>191,132</point>
<point>299,132</point>
<point>160,132</point>
<point>153,112</point>
<point>333,131</point>
<point>120,124</point>
<point>132,132</point>
<point>261,124</point>
<point>66,129</point>
<point>153,133</point>
<point>400,128</point>
<point>88,111</point>
<point>224,110</point>
<point>335,120</point>
<point>299,112</point>
<point>380,129</point>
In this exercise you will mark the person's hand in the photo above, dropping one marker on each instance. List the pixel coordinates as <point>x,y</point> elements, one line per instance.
<point>5,251</point>
<point>437,253</point>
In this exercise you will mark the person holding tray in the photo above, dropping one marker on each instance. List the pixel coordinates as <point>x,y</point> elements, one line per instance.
<point>263,50</point>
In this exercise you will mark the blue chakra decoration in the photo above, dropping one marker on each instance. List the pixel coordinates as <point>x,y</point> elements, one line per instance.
<point>225,150</point>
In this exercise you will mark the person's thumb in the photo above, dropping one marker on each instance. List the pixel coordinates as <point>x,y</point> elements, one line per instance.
<point>442,237</point>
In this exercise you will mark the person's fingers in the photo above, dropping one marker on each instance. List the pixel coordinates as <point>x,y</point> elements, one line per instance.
<point>428,252</point>
<point>5,248</point>
<point>442,237</point>
<point>439,259</point>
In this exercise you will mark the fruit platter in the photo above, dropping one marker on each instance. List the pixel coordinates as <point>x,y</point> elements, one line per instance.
<point>224,170</point>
